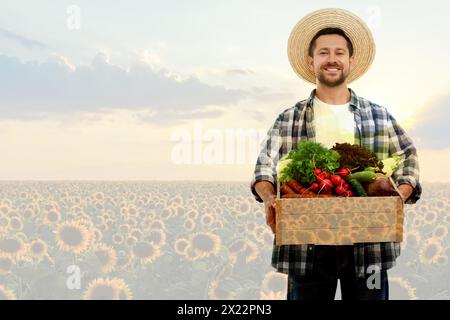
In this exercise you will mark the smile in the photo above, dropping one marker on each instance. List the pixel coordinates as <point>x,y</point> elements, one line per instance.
<point>331,69</point>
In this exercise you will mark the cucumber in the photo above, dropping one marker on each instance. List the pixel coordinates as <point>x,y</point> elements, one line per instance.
<point>364,176</point>
<point>356,186</point>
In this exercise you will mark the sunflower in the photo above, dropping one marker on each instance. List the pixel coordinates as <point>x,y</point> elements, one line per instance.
<point>259,230</point>
<point>15,224</point>
<point>4,222</point>
<point>244,207</point>
<point>132,222</point>
<point>272,295</point>
<point>6,294</point>
<point>124,228</point>
<point>117,238</point>
<point>411,238</point>
<point>447,218</point>
<point>107,257</point>
<point>97,235</point>
<point>418,222</point>
<point>13,247</point>
<point>274,281</point>
<point>52,217</point>
<point>167,213</point>
<point>99,196</point>
<point>4,209</point>
<point>219,290</point>
<point>207,220</point>
<point>440,232</point>
<point>430,251</point>
<point>191,254</point>
<point>28,214</point>
<point>237,246</point>
<point>442,260</point>
<point>38,249</point>
<point>177,200</point>
<point>192,214</point>
<point>85,221</point>
<point>133,211</point>
<point>6,264</point>
<point>218,225</point>
<point>251,251</point>
<point>107,289</point>
<point>250,227</point>
<point>131,241</point>
<point>400,289</point>
<point>135,233</point>
<point>146,252</point>
<point>205,244</point>
<point>71,236</point>
<point>189,225</point>
<point>157,224</point>
<point>156,236</point>
<point>181,245</point>
<point>131,197</point>
<point>430,217</point>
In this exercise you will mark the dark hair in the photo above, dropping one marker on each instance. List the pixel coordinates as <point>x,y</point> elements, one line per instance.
<point>326,31</point>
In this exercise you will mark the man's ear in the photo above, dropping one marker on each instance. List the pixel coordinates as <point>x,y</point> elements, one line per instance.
<point>311,63</point>
<point>350,63</point>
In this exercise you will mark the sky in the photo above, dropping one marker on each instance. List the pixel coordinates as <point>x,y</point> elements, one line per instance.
<point>185,90</point>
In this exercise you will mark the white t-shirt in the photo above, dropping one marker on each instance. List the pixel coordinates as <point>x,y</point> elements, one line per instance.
<point>333,123</point>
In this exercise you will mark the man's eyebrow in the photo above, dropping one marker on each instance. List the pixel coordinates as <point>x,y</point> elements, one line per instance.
<point>325,48</point>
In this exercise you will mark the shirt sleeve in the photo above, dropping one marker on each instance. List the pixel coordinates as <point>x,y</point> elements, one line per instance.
<point>408,168</point>
<point>267,160</point>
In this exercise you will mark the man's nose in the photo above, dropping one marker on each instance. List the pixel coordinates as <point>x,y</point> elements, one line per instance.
<point>331,58</point>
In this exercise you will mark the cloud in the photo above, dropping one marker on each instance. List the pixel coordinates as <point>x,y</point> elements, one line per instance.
<point>29,43</point>
<point>432,128</point>
<point>239,72</point>
<point>57,86</point>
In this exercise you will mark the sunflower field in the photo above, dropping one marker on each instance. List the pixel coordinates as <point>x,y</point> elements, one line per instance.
<point>177,240</point>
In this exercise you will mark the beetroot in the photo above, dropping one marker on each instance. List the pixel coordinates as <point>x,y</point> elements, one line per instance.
<point>381,187</point>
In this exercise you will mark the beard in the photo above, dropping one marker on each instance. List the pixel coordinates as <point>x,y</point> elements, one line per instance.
<point>332,83</point>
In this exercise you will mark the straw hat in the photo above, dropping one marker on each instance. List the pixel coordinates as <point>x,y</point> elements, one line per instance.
<point>356,30</point>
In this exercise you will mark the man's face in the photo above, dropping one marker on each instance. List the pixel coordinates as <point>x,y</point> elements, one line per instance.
<point>331,61</point>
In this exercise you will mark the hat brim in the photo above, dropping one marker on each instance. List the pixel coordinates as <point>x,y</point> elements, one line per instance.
<point>356,30</point>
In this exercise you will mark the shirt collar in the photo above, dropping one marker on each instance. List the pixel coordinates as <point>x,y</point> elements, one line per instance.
<point>354,101</point>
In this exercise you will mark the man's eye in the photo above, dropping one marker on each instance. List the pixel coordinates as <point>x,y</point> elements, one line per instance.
<point>323,52</point>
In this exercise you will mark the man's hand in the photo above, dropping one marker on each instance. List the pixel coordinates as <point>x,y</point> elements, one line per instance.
<point>269,205</point>
<point>266,191</point>
<point>405,190</point>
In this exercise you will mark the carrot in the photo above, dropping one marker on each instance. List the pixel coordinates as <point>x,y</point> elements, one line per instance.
<point>296,195</point>
<point>297,187</point>
<point>290,195</point>
<point>285,189</point>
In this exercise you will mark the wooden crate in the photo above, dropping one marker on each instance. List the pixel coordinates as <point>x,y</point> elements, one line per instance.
<point>339,221</point>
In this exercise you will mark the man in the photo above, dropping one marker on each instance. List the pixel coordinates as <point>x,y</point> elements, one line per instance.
<point>331,48</point>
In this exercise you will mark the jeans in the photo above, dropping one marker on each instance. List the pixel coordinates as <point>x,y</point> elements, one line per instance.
<point>330,264</point>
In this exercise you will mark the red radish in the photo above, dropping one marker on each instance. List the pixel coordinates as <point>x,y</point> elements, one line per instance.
<point>346,185</point>
<point>337,180</point>
<point>320,177</point>
<point>340,190</point>
<point>317,171</point>
<point>326,185</point>
<point>343,172</point>
<point>326,175</point>
<point>314,187</point>
<point>348,193</point>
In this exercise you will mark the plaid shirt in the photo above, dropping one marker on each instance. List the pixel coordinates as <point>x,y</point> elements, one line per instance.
<point>376,130</point>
